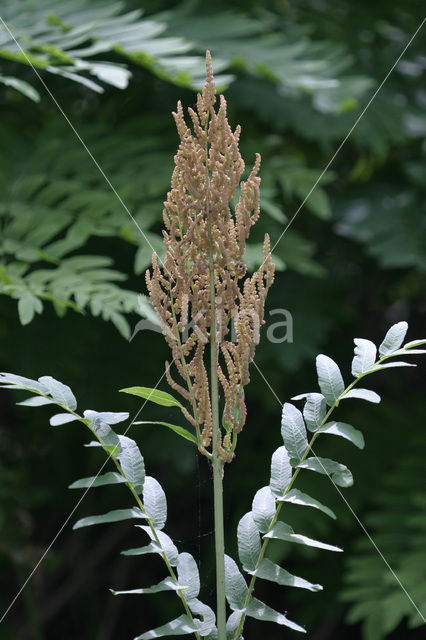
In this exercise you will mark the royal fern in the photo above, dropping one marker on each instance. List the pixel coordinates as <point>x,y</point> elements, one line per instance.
<point>262,524</point>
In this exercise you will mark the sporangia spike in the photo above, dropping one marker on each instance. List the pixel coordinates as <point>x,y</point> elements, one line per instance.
<point>201,230</point>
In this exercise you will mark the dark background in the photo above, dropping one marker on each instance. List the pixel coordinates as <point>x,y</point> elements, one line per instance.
<point>351,264</point>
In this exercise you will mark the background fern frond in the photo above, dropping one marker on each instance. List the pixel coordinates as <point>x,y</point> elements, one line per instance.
<point>68,39</point>
<point>396,521</point>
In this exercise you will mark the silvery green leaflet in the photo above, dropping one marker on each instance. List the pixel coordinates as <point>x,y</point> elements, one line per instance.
<point>258,526</point>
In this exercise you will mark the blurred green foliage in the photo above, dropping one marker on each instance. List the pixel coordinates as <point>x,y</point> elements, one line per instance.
<point>351,263</point>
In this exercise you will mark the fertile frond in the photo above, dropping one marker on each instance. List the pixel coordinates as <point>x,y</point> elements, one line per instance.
<point>202,286</point>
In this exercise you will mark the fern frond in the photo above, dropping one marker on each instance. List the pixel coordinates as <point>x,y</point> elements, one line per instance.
<point>53,207</point>
<point>147,493</point>
<point>257,527</point>
<point>66,38</point>
<point>291,60</point>
<point>396,522</point>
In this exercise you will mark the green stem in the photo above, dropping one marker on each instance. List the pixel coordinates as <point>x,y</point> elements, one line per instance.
<point>216,436</point>
<point>293,479</point>
<point>163,555</point>
<point>218,503</point>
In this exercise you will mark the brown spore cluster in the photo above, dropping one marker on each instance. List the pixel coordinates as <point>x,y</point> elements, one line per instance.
<point>204,274</point>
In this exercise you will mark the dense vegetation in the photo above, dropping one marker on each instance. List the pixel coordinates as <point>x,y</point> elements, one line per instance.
<point>297,76</point>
